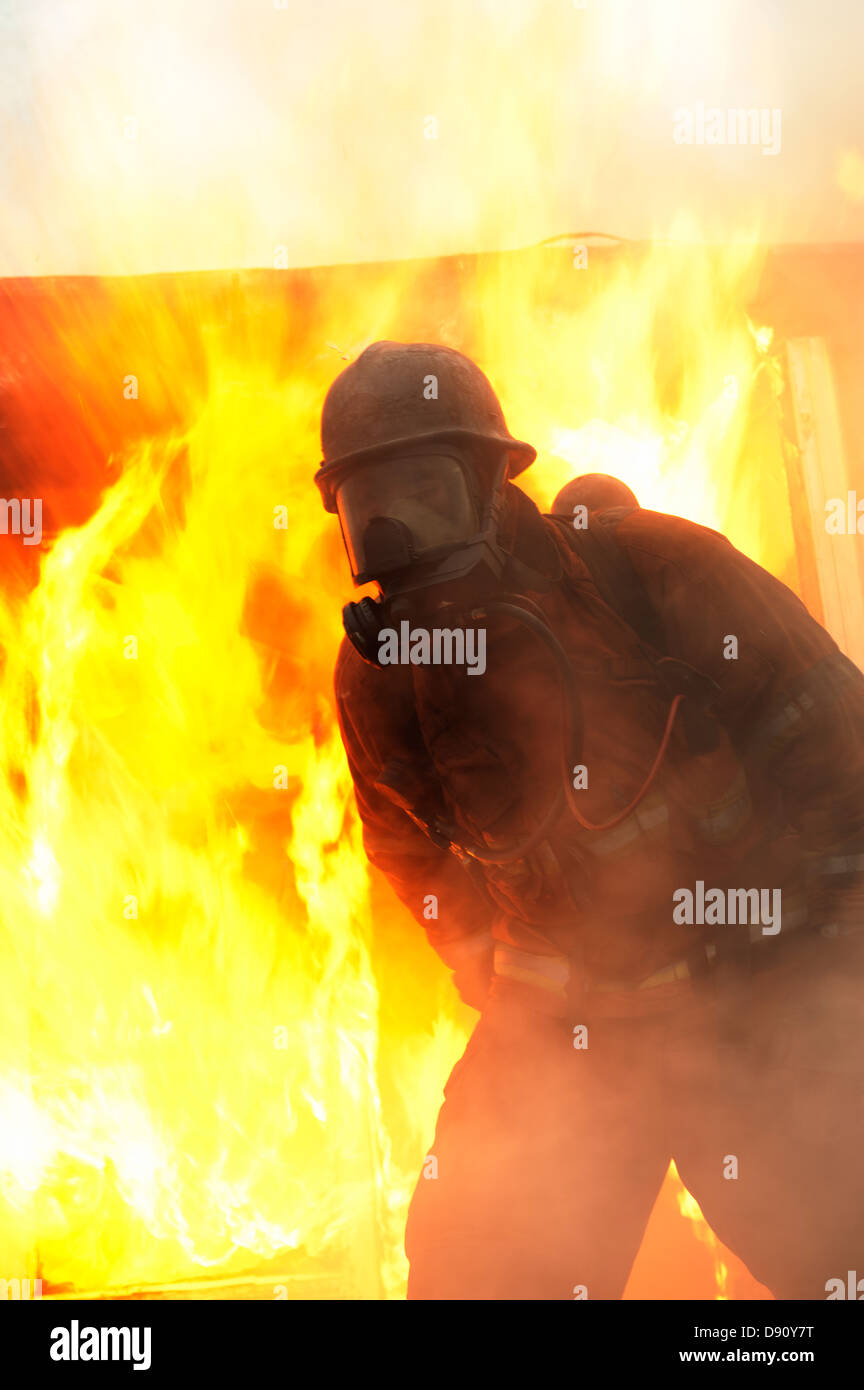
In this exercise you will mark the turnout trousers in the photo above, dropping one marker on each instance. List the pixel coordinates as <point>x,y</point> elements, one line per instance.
<point>549,1156</point>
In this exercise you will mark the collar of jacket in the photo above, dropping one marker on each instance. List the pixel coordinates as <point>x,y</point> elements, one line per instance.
<point>533,560</point>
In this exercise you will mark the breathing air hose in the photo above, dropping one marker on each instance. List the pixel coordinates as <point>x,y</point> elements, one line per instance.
<point>530,616</point>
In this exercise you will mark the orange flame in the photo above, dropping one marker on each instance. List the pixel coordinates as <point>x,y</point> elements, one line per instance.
<point>691,1210</point>
<point>223,1042</point>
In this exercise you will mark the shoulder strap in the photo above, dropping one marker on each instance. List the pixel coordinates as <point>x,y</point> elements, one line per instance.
<point>614,576</point>
<point>619,586</point>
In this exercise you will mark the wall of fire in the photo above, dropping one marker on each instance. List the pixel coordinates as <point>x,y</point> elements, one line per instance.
<point>60,338</point>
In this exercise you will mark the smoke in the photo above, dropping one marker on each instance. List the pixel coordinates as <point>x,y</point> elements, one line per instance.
<point>220,134</point>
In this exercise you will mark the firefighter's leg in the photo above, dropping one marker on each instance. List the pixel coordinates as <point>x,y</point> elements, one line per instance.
<point>773,1146</point>
<point>546,1162</point>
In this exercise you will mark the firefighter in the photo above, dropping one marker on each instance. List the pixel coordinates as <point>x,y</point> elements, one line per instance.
<point>660,722</point>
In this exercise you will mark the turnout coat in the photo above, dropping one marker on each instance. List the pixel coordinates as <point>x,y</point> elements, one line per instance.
<point>773,798</point>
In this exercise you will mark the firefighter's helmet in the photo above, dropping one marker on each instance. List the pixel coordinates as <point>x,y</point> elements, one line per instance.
<point>396,395</point>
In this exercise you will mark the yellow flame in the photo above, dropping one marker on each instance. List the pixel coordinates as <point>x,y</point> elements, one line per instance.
<point>691,1211</point>
<point>222,1042</point>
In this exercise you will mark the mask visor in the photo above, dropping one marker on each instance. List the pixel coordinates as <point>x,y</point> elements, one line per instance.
<point>399,512</point>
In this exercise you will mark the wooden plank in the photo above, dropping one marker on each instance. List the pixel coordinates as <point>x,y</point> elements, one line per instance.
<point>823,471</point>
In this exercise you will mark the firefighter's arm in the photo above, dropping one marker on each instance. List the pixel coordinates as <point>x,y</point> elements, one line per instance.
<point>791,701</point>
<point>448,902</point>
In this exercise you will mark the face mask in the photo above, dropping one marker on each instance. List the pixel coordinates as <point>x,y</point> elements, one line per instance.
<point>424,525</point>
<point>402,513</point>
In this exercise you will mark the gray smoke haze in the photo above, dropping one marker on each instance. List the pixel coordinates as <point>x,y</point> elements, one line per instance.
<point>209,134</point>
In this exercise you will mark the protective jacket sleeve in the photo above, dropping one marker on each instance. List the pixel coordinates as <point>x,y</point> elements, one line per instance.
<point>386,761</point>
